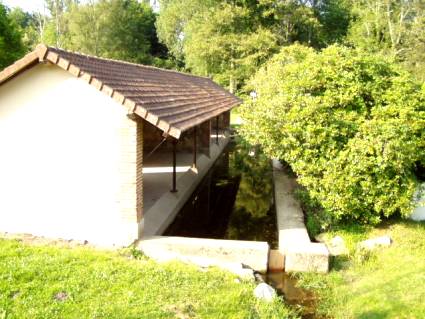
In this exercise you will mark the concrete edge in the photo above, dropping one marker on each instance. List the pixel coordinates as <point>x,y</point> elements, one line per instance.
<point>300,254</point>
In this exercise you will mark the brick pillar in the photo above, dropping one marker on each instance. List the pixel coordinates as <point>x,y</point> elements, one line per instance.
<point>139,170</point>
<point>130,193</point>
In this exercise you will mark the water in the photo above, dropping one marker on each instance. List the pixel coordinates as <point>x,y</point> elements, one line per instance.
<point>286,286</point>
<point>235,201</point>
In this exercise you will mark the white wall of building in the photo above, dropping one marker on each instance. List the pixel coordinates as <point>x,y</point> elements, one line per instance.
<point>59,158</point>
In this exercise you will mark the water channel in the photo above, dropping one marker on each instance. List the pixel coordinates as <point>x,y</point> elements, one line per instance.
<point>235,201</point>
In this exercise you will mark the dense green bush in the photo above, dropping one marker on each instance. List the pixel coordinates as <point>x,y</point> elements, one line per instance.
<point>351,125</point>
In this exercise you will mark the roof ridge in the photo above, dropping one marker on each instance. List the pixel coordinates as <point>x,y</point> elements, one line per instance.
<point>129,63</point>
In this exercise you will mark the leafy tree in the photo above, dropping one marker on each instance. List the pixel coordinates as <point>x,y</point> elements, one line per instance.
<point>413,57</point>
<point>334,17</point>
<point>11,47</point>
<point>291,21</point>
<point>56,32</point>
<point>118,29</point>
<point>27,25</point>
<point>392,27</point>
<point>173,19</point>
<point>222,42</point>
<point>350,124</point>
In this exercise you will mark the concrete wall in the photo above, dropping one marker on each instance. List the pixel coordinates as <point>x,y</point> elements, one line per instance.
<point>68,166</point>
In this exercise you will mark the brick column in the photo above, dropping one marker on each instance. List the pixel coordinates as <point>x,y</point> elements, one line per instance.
<point>130,193</point>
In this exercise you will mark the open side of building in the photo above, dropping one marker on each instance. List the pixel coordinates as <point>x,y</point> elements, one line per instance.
<point>89,145</point>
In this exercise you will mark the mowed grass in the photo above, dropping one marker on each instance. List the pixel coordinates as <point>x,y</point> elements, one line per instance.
<point>56,282</point>
<point>389,283</point>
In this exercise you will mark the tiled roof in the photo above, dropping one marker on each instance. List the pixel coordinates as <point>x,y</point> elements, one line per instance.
<point>172,101</point>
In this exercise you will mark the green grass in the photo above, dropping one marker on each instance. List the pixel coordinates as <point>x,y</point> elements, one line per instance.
<point>101,284</point>
<point>389,283</point>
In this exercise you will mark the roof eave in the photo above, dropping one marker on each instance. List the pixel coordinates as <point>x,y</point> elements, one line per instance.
<point>42,54</point>
<point>27,61</point>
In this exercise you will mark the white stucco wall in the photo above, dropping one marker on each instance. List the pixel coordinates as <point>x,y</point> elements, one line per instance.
<point>59,158</point>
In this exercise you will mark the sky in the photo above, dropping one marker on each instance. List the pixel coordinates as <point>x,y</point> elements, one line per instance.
<point>38,5</point>
<point>26,5</point>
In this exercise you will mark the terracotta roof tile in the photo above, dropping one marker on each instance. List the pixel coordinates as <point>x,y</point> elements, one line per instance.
<point>170,100</point>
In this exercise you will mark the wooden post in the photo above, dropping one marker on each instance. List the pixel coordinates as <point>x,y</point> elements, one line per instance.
<point>216,129</point>
<point>195,146</point>
<point>174,189</point>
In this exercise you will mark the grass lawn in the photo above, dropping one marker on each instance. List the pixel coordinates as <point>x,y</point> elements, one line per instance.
<point>389,283</point>
<point>56,282</point>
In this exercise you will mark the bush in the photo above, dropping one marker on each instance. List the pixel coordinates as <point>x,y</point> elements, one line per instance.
<point>351,125</point>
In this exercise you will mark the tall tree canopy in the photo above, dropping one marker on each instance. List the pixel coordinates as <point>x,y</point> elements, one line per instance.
<point>11,46</point>
<point>222,42</point>
<point>229,40</point>
<point>118,29</point>
<point>392,27</point>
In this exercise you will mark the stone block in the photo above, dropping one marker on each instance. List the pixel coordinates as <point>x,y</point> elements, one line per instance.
<point>276,260</point>
<point>313,257</point>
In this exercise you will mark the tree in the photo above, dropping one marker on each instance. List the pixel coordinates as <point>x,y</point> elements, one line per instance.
<point>350,124</point>
<point>173,18</point>
<point>413,58</point>
<point>335,17</point>
<point>291,21</point>
<point>56,32</point>
<point>221,42</point>
<point>391,27</point>
<point>27,26</point>
<point>11,47</point>
<point>118,29</point>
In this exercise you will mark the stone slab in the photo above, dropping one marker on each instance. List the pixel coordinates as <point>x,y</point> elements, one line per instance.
<point>215,252</point>
<point>313,257</point>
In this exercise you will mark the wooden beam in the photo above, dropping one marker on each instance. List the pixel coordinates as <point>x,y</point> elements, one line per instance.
<point>195,146</point>
<point>216,129</point>
<point>174,188</point>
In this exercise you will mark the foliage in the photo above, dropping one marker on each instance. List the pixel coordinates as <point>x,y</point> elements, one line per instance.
<point>392,27</point>
<point>291,21</point>
<point>56,31</point>
<point>382,285</point>
<point>173,19</point>
<point>26,23</point>
<point>335,17</point>
<point>222,43</point>
<point>54,282</point>
<point>351,125</point>
<point>11,46</point>
<point>115,29</point>
<point>216,39</point>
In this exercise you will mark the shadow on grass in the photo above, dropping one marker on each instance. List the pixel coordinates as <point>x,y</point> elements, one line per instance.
<point>374,315</point>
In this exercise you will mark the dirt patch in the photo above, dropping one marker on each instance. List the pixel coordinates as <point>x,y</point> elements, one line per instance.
<point>43,241</point>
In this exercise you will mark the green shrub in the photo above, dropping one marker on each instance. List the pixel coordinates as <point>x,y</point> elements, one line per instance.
<point>351,125</point>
